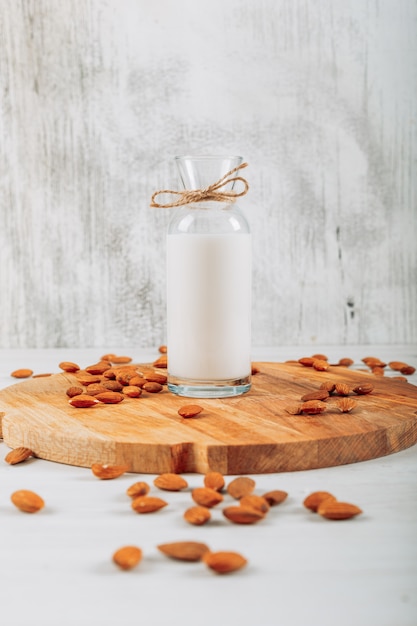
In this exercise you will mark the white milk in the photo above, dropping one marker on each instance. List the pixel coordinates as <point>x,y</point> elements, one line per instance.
<point>209,306</point>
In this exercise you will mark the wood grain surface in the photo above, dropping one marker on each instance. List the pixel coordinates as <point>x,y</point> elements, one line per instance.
<point>248,434</point>
<point>97,97</point>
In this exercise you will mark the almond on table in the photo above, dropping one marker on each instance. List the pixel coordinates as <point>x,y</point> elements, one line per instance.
<point>224,562</point>
<point>170,482</point>
<point>107,472</point>
<point>27,501</point>
<point>22,373</point>
<point>184,550</point>
<point>18,455</point>
<point>127,557</point>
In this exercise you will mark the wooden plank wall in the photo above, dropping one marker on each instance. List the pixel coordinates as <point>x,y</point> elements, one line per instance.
<point>96,97</point>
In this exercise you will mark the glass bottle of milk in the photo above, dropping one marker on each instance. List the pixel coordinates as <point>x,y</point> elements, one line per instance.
<point>208,288</point>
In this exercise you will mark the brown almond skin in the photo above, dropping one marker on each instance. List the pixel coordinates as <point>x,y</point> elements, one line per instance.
<point>98,368</point>
<point>68,366</point>
<point>242,514</point>
<point>224,562</point>
<point>206,497</point>
<point>363,389</point>
<point>161,362</point>
<point>327,385</point>
<point>22,373</point>
<point>148,504</point>
<point>345,405</point>
<point>313,407</point>
<point>214,480</point>
<point>190,410</point>
<point>155,377</point>
<point>274,497</point>
<point>241,486</point>
<point>341,389</point>
<point>18,455</point>
<point>346,362</point>
<point>320,365</point>
<point>322,394</point>
<point>95,389</point>
<point>139,488</point>
<point>83,401</point>
<point>197,515</point>
<point>170,482</point>
<point>27,501</point>
<point>152,387</point>
<point>335,510</point>
<point>307,361</point>
<point>127,557</point>
<point>184,550</point>
<point>74,391</point>
<point>408,370</point>
<point>259,503</point>
<point>107,472</point>
<point>87,379</point>
<point>316,498</point>
<point>112,385</point>
<point>132,391</point>
<point>110,397</point>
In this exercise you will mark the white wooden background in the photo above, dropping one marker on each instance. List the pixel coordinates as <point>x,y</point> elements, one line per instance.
<point>97,96</point>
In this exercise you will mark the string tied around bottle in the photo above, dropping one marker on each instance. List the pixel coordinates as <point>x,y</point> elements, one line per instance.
<point>212,192</point>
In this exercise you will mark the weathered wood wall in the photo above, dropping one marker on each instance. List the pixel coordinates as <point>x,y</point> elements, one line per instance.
<point>96,97</point>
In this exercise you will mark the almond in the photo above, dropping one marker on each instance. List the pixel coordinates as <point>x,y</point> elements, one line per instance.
<point>112,385</point>
<point>84,378</point>
<point>155,377</point>
<point>148,504</point>
<point>320,365</point>
<point>83,401</point>
<point>342,389</point>
<point>138,489</point>
<point>314,500</point>
<point>127,557</point>
<point>206,497</point>
<point>293,409</point>
<point>243,514</point>
<point>131,391</point>
<point>328,386</point>
<point>98,368</point>
<point>170,482</point>
<point>74,391</point>
<point>320,357</point>
<point>407,370</point>
<point>313,407</point>
<point>161,362</point>
<point>363,389</point>
<point>110,397</point>
<point>27,501</point>
<point>18,455</point>
<point>197,515</point>
<point>372,361</point>
<point>137,381</point>
<point>346,404</point>
<point>307,361</point>
<point>95,389</point>
<point>335,510</point>
<point>214,480</point>
<point>107,472</point>
<point>163,349</point>
<point>224,562</point>
<point>120,359</point>
<point>152,387</point>
<point>259,503</point>
<point>22,373</point>
<point>184,550</point>
<point>378,371</point>
<point>315,395</point>
<point>68,366</point>
<point>241,486</point>
<point>275,497</point>
<point>346,362</point>
<point>190,410</point>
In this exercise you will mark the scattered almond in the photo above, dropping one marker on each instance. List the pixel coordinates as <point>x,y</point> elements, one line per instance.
<point>151,387</point>
<point>170,482</point>
<point>313,407</point>
<point>163,349</point>
<point>197,515</point>
<point>95,389</point>
<point>346,362</point>
<point>363,389</point>
<point>110,397</point>
<point>83,401</point>
<point>224,562</point>
<point>27,501</point>
<point>18,455</point>
<point>139,488</point>
<point>320,357</point>
<point>397,365</point>
<point>243,514</point>
<point>68,366</point>
<point>372,361</point>
<point>307,361</point>
<point>320,365</point>
<point>74,391</point>
<point>127,557</point>
<point>148,504</point>
<point>214,480</point>
<point>161,362</point>
<point>131,391</point>
<point>342,389</point>
<point>120,359</point>
<point>315,395</point>
<point>107,472</point>
<point>328,386</point>
<point>184,550</point>
<point>137,381</point>
<point>155,377</point>
<point>86,379</point>
<point>407,370</point>
<point>259,503</point>
<point>335,510</point>
<point>293,409</point>
<point>316,498</point>
<point>345,405</point>
<point>22,373</point>
<point>206,497</point>
<point>275,497</point>
<point>241,486</point>
<point>112,385</point>
<point>190,410</point>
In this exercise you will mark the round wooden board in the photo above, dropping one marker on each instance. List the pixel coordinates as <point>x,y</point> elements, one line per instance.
<point>250,434</point>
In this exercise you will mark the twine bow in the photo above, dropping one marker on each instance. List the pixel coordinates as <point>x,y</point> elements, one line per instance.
<point>212,192</point>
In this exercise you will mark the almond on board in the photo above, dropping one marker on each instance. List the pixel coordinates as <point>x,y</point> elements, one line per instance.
<point>107,472</point>
<point>170,482</point>
<point>224,562</point>
<point>184,550</point>
<point>18,455</point>
<point>335,510</point>
<point>110,397</point>
<point>197,515</point>
<point>27,501</point>
<point>127,557</point>
<point>190,410</point>
<point>83,401</point>
<point>148,504</point>
<point>240,486</point>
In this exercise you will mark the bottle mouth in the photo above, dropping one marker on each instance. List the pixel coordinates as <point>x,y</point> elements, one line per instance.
<point>209,157</point>
<point>200,171</point>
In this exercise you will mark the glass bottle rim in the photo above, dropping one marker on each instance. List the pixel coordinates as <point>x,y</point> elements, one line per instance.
<point>208,156</point>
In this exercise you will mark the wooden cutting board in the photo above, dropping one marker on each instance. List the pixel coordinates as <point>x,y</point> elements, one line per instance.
<point>249,434</point>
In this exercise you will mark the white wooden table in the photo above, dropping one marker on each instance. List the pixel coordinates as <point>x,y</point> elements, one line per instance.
<point>56,568</point>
